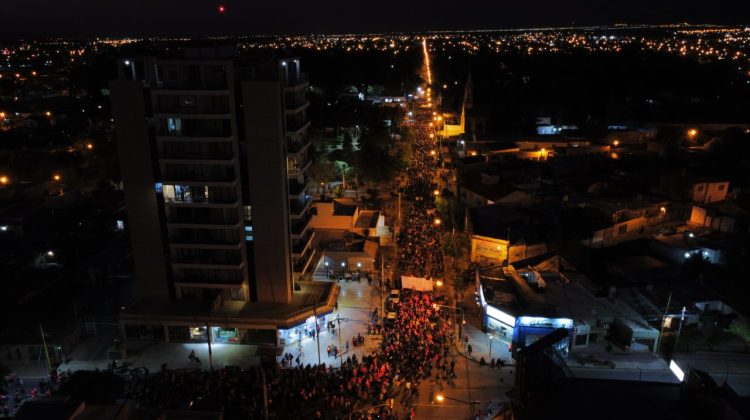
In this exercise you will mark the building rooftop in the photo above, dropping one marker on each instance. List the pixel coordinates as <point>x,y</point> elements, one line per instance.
<point>495,221</point>
<point>478,184</point>
<point>367,219</point>
<point>341,208</point>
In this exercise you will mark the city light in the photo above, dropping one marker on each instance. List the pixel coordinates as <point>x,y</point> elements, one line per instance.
<point>4,180</point>
<point>692,133</point>
<point>437,222</point>
<point>48,113</point>
<point>439,283</point>
<point>439,398</point>
<point>436,192</point>
<point>56,177</point>
<point>89,146</point>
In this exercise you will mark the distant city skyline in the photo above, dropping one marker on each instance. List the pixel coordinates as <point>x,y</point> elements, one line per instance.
<point>40,18</point>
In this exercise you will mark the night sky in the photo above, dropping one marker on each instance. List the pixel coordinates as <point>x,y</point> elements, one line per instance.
<point>200,17</point>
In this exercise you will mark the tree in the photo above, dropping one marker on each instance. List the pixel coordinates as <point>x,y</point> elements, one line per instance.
<point>323,170</point>
<point>455,245</point>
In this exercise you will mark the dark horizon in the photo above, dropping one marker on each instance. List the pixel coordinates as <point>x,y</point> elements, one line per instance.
<point>137,18</point>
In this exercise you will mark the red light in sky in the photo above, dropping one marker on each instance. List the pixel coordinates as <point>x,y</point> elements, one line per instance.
<point>222,9</point>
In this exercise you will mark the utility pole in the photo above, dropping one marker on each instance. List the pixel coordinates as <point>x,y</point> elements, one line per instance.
<point>210,353</point>
<point>341,348</point>
<point>664,318</point>
<point>399,213</point>
<point>317,333</point>
<point>46,351</point>
<point>679,329</point>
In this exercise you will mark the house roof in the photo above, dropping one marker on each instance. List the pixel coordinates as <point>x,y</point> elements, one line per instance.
<point>343,209</point>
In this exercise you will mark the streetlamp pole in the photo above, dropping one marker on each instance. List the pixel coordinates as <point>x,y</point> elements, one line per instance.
<point>664,318</point>
<point>210,352</point>
<point>341,348</point>
<point>317,333</point>
<point>46,351</point>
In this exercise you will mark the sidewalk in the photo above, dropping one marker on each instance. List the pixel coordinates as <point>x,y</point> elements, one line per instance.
<point>356,302</point>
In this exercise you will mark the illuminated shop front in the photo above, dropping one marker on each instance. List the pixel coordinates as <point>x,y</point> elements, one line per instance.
<point>496,321</point>
<point>302,331</point>
<point>531,328</point>
<point>512,325</point>
<point>225,335</point>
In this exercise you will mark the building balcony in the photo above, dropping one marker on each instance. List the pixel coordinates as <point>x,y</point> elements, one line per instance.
<point>297,188</point>
<point>302,264</point>
<point>200,159</point>
<point>297,128</point>
<point>209,180</point>
<point>302,244</point>
<point>299,171</point>
<point>210,264</point>
<point>186,138</point>
<point>295,107</point>
<point>202,202</point>
<point>208,281</point>
<point>300,226</point>
<point>295,148</point>
<point>202,224</point>
<point>205,243</point>
<point>298,208</point>
<point>296,82</point>
<point>209,152</point>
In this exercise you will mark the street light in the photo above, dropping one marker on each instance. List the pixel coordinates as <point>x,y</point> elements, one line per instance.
<point>89,146</point>
<point>437,222</point>
<point>471,404</point>
<point>436,192</point>
<point>4,180</point>
<point>56,177</point>
<point>692,133</point>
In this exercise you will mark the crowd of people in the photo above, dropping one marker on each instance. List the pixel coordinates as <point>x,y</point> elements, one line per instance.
<point>420,235</point>
<point>14,392</point>
<point>415,346</point>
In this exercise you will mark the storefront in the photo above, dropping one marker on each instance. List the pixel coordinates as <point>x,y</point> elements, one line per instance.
<point>198,334</point>
<point>302,331</point>
<point>223,335</point>
<point>500,323</point>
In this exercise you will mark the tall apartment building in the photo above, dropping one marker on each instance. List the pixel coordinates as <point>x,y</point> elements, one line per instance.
<point>213,150</point>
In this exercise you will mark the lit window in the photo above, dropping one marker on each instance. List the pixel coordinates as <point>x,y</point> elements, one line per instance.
<point>248,212</point>
<point>159,187</point>
<point>120,225</point>
<point>174,125</point>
